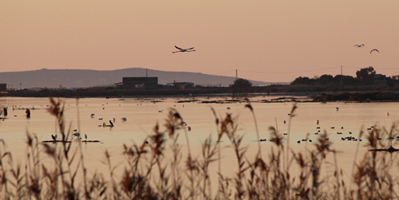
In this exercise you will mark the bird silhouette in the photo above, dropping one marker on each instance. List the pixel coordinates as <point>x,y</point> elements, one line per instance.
<point>374,50</point>
<point>359,45</point>
<point>77,134</point>
<point>389,150</point>
<point>54,137</point>
<point>183,50</point>
<point>111,124</point>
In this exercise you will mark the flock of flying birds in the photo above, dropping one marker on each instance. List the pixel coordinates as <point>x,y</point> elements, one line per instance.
<point>192,49</point>
<point>362,45</point>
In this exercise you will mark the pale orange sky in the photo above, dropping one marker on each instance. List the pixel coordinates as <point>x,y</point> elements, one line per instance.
<point>266,40</point>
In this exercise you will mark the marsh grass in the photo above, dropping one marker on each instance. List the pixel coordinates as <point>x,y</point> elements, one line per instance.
<point>158,168</point>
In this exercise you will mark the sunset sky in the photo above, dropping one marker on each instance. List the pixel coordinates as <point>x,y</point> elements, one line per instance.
<point>265,40</point>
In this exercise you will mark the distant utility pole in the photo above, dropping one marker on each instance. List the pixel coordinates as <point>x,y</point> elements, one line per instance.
<point>236,74</point>
<point>341,74</point>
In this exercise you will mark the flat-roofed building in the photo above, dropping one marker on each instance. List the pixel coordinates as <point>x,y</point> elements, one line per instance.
<point>140,82</point>
<point>3,86</point>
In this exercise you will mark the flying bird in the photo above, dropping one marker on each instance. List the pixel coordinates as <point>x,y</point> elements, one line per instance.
<point>374,50</point>
<point>358,45</point>
<point>184,50</point>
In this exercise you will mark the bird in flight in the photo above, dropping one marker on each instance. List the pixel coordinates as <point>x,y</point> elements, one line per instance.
<point>358,45</point>
<point>374,50</point>
<point>184,50</point>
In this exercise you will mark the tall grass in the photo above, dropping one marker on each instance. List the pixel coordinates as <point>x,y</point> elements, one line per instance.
<point>161,168</point>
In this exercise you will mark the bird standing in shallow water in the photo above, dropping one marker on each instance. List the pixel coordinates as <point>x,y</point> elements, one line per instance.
<point>389,150</point>
<point>77,134</point>
<point>111,124</point>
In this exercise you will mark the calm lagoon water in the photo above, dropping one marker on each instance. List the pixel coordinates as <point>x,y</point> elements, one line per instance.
<point>143,114</point>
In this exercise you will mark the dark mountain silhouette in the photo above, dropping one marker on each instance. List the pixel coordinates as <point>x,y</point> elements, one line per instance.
<point>53,78</point>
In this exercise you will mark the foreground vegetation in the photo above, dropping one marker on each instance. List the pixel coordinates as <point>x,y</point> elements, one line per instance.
<point>149,175</point>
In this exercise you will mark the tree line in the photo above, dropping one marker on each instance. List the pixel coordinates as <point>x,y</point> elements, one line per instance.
<point>364,76</point>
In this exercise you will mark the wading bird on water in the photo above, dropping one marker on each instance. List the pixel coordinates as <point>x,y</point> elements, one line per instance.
<point>389,150</point>
<point>54,137</point>
<point>184,50</point>
<point>77,134</point>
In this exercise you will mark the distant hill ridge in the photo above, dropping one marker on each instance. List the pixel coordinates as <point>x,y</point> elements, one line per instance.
<point>74,78</point>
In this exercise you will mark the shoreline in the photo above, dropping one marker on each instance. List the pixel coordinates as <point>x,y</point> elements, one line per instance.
<point>291,93</point>
<point>280,97</point>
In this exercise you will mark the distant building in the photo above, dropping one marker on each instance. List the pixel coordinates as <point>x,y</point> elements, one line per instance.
<point>380,83</point>
<point>140,82</point>
<point>380,80</point>
<point>3,86</point>
<point>379,77</point>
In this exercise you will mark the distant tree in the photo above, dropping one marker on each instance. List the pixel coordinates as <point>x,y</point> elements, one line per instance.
<point>241,83</point>
<point>326,80</point>
<point>346,80</point>
<point>366,75</point>
<point>395,79</point>
<point>303,81</point>
<point>390,82</point>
